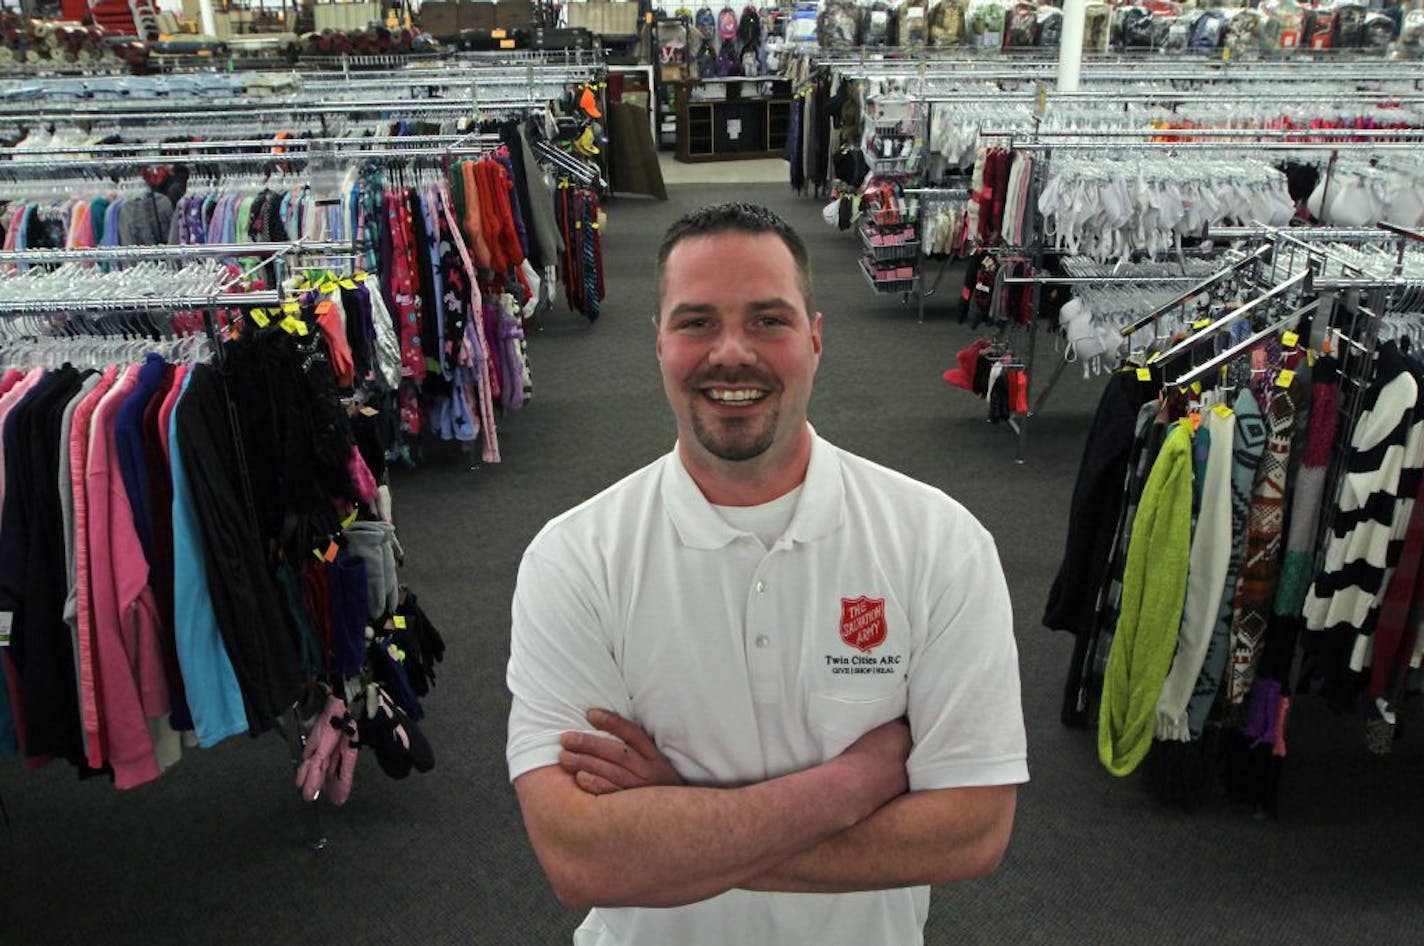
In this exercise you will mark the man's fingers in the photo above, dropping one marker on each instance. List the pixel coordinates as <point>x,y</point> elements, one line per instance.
<point>610,749</point>
<point>630,732</point>
<point>576,762</point>
<point>595,785</point>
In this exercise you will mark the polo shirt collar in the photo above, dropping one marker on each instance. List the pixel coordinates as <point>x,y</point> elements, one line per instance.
<point>819,512</point>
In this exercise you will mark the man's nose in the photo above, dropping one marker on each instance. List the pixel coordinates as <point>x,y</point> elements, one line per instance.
<point>732,347</point>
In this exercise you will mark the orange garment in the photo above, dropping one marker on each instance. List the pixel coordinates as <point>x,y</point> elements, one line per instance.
<point>474,230</point>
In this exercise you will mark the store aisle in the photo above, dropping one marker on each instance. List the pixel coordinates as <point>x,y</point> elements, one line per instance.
<point>209,853</point>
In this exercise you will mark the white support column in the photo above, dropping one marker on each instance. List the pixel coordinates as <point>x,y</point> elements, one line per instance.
<point>1070,46</point>
<point>210,23</point>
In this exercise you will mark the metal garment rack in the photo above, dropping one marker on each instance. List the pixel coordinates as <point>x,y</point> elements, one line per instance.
<point>907,63</point>
<point>1047,143</point>
<point>289,724</point>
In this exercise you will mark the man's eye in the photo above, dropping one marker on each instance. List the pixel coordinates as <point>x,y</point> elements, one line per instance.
<point>772,320</point>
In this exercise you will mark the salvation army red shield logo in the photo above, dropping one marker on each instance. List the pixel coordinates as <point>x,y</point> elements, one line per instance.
<point>863,623</point>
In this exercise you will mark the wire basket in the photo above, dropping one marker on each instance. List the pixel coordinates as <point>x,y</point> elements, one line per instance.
<point>879,246</point>
<point>881,280</point>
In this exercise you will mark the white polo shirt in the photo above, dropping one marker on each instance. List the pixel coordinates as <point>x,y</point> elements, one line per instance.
<point>883,598</point>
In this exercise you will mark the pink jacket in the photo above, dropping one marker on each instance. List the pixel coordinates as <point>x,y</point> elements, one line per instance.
<point>90,712</point>
<point>132,684</point>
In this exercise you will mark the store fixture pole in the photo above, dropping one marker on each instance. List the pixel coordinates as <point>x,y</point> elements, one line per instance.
<point>1070,47</point>
<point>210,23</point>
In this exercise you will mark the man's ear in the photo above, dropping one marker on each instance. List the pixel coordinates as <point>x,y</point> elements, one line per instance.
<point>816,333</point>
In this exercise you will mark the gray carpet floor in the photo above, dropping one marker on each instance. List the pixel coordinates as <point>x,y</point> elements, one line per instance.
<point>212,853</point>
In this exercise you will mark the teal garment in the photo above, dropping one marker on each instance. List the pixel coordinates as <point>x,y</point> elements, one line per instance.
<point>1154,589</point>
<point>1249,443</point>
<point>213,694</point>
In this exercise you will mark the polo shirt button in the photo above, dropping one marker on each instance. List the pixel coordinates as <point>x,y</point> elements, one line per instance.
<point>763,641</point>
<point>761,587</point>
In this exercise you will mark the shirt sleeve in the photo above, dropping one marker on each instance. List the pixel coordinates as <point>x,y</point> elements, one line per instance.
<point>965,708</point>
<point>562,661</point>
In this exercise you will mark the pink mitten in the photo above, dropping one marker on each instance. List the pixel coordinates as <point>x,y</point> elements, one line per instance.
<point>342,767</point>
<point>321,743</point>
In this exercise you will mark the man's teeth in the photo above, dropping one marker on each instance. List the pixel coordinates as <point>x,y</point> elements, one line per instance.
<point>735,397</point>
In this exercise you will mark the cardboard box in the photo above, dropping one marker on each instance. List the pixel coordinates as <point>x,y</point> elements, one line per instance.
<point>440,18</point>
<point>513,15</point>
<point>476,16</point>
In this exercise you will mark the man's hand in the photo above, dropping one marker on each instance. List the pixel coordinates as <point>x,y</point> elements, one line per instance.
<point>631,760</point>
<point>880,756</point>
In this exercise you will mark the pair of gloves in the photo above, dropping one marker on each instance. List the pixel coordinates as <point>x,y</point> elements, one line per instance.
<point>329,760</point>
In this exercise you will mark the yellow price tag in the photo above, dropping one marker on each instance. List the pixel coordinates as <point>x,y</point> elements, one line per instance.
<point>347,284</point>
<point>327,288</point>
<point>400,622</point>
<point>1221,410</point>
<point>1290,339</point>
<point>506,44</point>
<point>1153,357</point>
<point>260,317</point>
<point>1196,387</point>
<point>1144,374</point>
<point>346,523</point>
<point>289,324</point>
<point>1310,357</point>
<point>291,307</point>
<point>498,34</point>
<point>1200,324</point>
<point>1284,379</point>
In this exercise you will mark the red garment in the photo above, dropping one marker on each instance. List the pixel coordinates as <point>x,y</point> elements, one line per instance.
<point>1392,638</point>
<point>329,318</point>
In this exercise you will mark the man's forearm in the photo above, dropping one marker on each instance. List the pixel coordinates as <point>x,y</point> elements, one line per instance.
<point>926,837</point>
<point>670,845</point>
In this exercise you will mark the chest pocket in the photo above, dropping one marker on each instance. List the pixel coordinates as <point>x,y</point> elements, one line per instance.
<point>839,721</point>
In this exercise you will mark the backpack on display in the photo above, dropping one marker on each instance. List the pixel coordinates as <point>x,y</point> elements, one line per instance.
<point>1050,26</point>
<point>1097,27</point>
<point>1378,30</point>
<point>879,24</point>
<point>1349,26</point>
<point>1412,32</point>
<point>1021,29</point>
<point>839,25</point>
<point>946,23</point>
<point>985,20</point>
<point>1321,28</point>
<point>1179,30</point>
<point>913,17</point>
<point>1132,28</point>
<point>1207,32</point>
<point>706,22</point>
<point>749,27</point>
<point>1243,30</point>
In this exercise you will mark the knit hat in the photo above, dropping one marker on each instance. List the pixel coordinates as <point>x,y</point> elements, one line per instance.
<point>968,358</point>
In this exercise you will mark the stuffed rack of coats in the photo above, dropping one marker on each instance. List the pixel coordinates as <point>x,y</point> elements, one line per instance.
<point>1209,580</point>
<point>190,552</point>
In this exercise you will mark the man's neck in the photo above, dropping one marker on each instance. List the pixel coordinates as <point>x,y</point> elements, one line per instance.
<point>747,482</point>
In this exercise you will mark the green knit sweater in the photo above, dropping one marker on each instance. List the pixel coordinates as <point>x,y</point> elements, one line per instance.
<point>1154,587</point>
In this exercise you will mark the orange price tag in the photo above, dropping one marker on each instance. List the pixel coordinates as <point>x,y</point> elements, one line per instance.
<point>498,34</point>
<point>506,44</point>
<point>330,553</point>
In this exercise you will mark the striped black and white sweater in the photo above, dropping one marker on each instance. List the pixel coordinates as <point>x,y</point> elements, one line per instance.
<point>1383,466</point>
